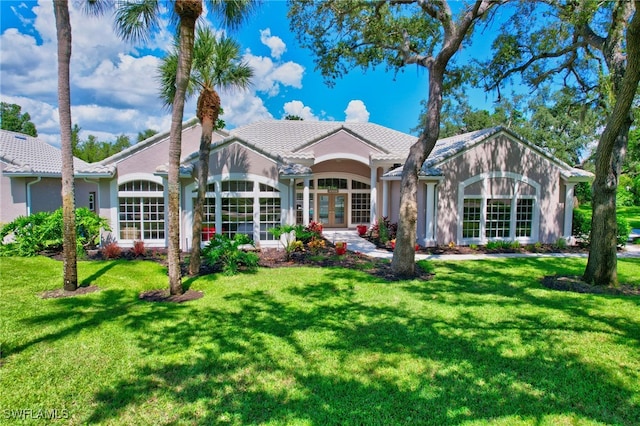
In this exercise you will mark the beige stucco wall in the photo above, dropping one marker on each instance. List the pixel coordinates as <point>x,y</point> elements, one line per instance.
<point>13,197</point>
<point>148,159</point>
<point>501,154</point>
<point>341,144</point>
<point>236,158</point>
<point>343,166</point>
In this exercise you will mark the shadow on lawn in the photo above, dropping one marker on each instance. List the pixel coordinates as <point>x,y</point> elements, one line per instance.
<point>322,354</point>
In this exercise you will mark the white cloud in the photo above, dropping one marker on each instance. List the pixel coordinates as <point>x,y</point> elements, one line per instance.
<point>269,76</point>
<point>356,112</point>
<point>274,43</point>
<point>297,108</point>
<point>113,86</point>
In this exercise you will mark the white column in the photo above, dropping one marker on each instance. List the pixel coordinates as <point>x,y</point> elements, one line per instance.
<point>218,202</point>
<point>374,194</point>
<point>568,210</point>
<point>291,220</point>
<point>305,202</point>
<point>385,198</point>
<point>430,213</point>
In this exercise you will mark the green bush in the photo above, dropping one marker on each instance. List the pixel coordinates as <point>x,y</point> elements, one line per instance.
<point>624,229</point>
<point>42,231</point>
<point>581,226</point>
<point>227,253</point>
<point>624,194</point>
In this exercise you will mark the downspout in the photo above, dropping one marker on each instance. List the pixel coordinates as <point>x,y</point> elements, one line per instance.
<point>97,205</point>
<point>38,179</point>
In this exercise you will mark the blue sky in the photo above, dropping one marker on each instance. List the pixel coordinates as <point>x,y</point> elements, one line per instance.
<point>114,91</point>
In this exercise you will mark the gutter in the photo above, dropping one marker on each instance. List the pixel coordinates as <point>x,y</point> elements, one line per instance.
<point>38,179</point>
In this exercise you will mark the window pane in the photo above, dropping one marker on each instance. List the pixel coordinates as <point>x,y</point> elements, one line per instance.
<point>498,221</point>
<point>524,217</point>
<point>471,218</point>
<point>360,208</point>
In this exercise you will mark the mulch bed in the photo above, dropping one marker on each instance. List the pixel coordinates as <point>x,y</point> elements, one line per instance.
<point>59,292</point>
<point>575,284</point>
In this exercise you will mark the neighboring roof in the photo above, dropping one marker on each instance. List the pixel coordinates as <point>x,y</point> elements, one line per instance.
<point>284,138</point>
<point>447,148</point>
<point>29,156</point>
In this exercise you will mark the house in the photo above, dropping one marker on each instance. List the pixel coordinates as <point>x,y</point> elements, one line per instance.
<point>476,187</point>
<point>30,177</point>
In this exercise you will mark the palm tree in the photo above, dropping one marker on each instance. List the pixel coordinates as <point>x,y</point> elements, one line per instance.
<point>216,63</point>
<point>134,21</point>
<point>63,33</point>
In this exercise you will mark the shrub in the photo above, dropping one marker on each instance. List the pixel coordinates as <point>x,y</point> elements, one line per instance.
<point>581,226</point>
<point>383,230</point>
<point>286,235</point>
<point>112,251</point>
<point>316,244</point>
<point>227,253</point>
<point>623,231</point>
<point>138,248</point>
<point>473,247</point>
<point>315,228</point>
<point>43,231</point>
<point>561,243</point>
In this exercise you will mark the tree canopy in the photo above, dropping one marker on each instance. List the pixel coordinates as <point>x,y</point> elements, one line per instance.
<point>12,118</point>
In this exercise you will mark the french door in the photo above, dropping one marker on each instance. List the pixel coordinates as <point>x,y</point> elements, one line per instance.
<point>332,211</point>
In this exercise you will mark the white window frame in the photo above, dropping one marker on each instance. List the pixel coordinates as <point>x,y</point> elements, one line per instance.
<point>155,242</point>
<point>485,196</point>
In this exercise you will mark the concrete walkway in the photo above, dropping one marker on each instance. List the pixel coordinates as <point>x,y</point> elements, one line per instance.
<point>358,244</point>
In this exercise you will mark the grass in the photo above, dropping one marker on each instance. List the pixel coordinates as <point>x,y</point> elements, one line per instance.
<point>481,343</point>
<point>631,213</point>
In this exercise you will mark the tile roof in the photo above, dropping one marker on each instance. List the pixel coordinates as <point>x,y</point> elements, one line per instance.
<point>284,138</point>
<point>26,155</point>
<point>448,147</point>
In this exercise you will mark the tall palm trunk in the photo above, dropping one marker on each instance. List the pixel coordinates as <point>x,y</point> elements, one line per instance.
<point>188,11</point>
<point>208,112</point>
<point>63,32</point>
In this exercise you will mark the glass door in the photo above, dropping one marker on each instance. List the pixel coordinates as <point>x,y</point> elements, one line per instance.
<point>332,211</point>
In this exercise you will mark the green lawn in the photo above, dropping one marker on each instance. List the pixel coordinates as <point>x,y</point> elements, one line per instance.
<point>632,214</point>
<point>482,343</point>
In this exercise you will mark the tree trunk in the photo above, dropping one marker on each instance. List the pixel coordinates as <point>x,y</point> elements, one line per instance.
<point>602,264</point>
<point>188,12</point>
<point>404,254</point>
<point>208,112</point>
<point>63,31</point>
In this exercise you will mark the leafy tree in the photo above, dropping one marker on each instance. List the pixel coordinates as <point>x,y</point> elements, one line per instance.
<point>216,64</point>
<point>135,21</point>
<point>593,47</point>
<point>345,35</point>
<point>293,117</point>
<point>12,118</point>
<point>144,135</point>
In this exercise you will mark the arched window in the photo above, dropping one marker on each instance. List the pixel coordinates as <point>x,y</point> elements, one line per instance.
<point>141,212</point>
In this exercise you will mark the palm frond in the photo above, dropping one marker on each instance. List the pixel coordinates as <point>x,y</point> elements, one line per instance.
<point>233,13</point>
<point>136,20</point>
<point>94,7</point>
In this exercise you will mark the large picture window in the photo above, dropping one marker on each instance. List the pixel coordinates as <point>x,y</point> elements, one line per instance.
<point>498,206</point>
<point>141,211</point>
